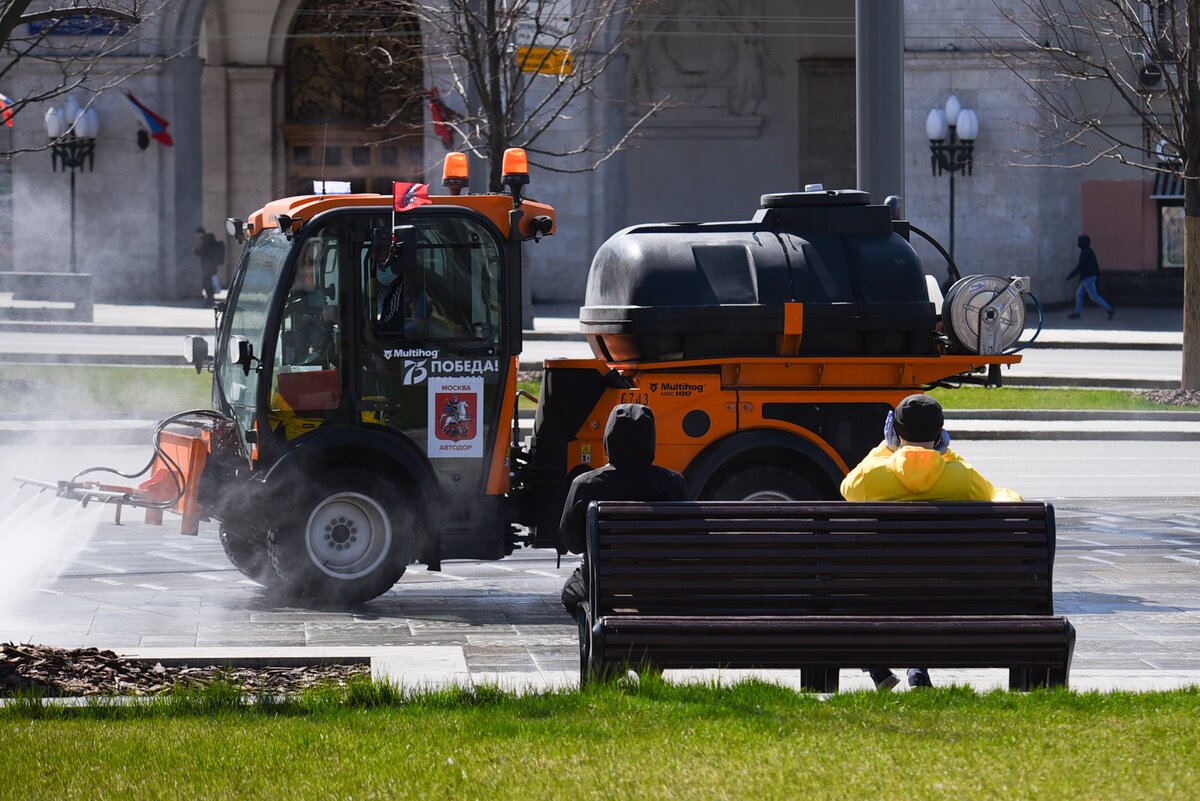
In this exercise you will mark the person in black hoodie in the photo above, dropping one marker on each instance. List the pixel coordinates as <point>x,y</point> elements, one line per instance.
<point>630,475</point>
<point>1088,270</point>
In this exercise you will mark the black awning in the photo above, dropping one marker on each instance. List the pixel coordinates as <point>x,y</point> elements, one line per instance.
<point>1167,187</point>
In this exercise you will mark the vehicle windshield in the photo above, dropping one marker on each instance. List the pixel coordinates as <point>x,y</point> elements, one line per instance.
<point>247,317</point>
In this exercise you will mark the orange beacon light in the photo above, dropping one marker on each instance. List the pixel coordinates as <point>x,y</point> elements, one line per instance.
<point>455,172</point>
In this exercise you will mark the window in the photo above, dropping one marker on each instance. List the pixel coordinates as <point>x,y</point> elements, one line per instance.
<point>308,353</point>
<point>1171,236</point>
<point>453,295</point>
<point>247,317</point>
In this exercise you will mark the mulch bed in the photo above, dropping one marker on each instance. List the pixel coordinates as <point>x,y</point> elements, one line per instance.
<point>1173,397</point>
<point>92,672</point>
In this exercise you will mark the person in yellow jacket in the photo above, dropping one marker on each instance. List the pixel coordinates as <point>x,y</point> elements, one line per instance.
<point>914,463</point>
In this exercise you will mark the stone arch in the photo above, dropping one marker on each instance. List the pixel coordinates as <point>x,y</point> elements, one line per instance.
<point>346,116</point>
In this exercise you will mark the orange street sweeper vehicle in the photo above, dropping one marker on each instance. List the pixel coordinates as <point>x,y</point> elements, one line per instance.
<point>365,395</point>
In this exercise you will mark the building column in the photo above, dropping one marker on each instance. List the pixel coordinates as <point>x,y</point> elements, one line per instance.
<point>879,57</point>
<point>250,135</point>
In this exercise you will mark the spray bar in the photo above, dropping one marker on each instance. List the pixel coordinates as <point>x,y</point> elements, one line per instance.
<point>79,491</point>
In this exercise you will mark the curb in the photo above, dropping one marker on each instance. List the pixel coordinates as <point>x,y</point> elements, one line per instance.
<point>141,435</point>
<point>529,335</point>
<point>1050,381</point>
<point>101,328</point>
<point>96,359</point>
<point>1062,414</point>
<point>1042,344</point>
<point>1073,436</point>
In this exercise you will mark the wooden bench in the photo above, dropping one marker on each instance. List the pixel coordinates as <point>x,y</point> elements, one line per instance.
<point>823,586</point>
<point>75,288</point>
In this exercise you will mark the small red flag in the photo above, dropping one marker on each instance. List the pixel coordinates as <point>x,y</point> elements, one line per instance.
<point>6,112</point>
<point>406,196</point>
<point>440,115</point>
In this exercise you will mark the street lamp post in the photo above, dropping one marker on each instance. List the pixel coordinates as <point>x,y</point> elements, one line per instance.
<point>952,131</point>
<point>72,135</point>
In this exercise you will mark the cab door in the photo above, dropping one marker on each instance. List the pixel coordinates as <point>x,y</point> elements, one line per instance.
<point>309,382</point>
<point>430,331</point>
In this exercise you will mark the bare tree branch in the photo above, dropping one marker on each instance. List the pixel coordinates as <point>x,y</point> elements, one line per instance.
<point>1094,66</point>
<point>496,62</point>
<point>93,64</point>
<point>91,11</point>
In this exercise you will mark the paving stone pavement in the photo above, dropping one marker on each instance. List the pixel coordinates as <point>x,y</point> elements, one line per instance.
<point>1127,574</point>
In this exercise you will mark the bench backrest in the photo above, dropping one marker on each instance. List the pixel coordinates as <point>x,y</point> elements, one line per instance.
<point>820,558</point>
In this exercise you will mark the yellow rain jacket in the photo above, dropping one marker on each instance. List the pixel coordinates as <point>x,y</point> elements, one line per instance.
<point>919,474</point>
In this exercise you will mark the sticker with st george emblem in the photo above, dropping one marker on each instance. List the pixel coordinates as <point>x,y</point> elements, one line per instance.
<point>454,426</point>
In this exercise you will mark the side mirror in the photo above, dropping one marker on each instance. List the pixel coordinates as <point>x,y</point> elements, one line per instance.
<point>241,353</point>
<point>236,228</point>
<point>540,226</point>
<point>195,352</point>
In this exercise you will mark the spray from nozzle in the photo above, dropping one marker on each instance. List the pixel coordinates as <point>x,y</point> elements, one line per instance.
<point>41,535</point>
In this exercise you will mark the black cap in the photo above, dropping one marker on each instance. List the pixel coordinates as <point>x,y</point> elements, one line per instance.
<point>919,418</point>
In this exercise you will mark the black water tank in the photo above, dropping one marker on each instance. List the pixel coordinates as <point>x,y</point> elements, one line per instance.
<point>707,290</point>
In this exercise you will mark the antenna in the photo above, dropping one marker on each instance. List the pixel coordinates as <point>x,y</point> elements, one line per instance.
<point>324,138</point>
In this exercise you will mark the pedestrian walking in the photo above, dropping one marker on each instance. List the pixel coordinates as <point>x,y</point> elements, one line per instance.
<point>211,255</point>
<point>1088,270</point>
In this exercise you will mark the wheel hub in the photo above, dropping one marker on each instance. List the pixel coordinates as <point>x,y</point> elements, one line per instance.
<point>348,535</point>
<point>340,532</point>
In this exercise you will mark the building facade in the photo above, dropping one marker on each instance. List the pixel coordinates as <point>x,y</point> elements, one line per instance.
<point>263,99</point>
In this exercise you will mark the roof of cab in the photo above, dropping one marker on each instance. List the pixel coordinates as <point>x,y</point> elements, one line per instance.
<point>306,207</point>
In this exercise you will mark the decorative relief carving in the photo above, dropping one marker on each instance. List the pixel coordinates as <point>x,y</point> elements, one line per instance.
<point>330,79</point>
<point>708,58</point>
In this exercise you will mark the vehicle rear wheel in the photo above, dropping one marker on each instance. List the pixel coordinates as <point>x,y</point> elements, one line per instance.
<point>765,482</point>
<point>247,551</point>
<point>348,541</point>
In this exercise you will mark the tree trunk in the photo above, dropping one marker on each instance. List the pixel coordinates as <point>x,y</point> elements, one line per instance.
<point>1190,92</point>
<point>1191,290</point>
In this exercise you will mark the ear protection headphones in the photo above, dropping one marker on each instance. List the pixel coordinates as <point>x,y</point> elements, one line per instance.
<point>892,439</point>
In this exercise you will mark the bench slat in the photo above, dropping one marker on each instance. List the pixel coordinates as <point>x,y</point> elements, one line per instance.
<point>866,554</point>
<point>830,568</point>
<point>965,527</point>
<point>748,538</point>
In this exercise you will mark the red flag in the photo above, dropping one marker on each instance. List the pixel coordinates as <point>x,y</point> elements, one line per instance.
<point>441,114</point>
<point>406,196</point>
<point>6,113</point>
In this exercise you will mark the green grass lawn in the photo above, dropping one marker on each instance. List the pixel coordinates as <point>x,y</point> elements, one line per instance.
<point>159,391</point>
<point>1035,398</point>
<point>50,390</point>
<point>658,741</point>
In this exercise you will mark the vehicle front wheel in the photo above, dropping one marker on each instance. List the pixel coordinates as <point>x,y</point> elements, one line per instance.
<point>765,482</point>
<point>346,541</point>
<point>247,551</point>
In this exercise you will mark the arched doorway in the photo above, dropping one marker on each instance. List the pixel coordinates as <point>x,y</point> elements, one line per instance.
<point>351,115</point>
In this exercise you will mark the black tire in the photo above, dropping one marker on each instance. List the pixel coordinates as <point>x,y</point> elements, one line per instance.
<point>347,541</point>
<point>764,482</point>
<point>248,553</point>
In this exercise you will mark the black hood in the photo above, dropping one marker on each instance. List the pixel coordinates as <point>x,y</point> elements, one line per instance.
<point>1085,241</point>
<point>629,435</point>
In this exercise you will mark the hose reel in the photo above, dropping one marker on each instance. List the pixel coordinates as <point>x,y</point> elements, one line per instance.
<point>985,314</point>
